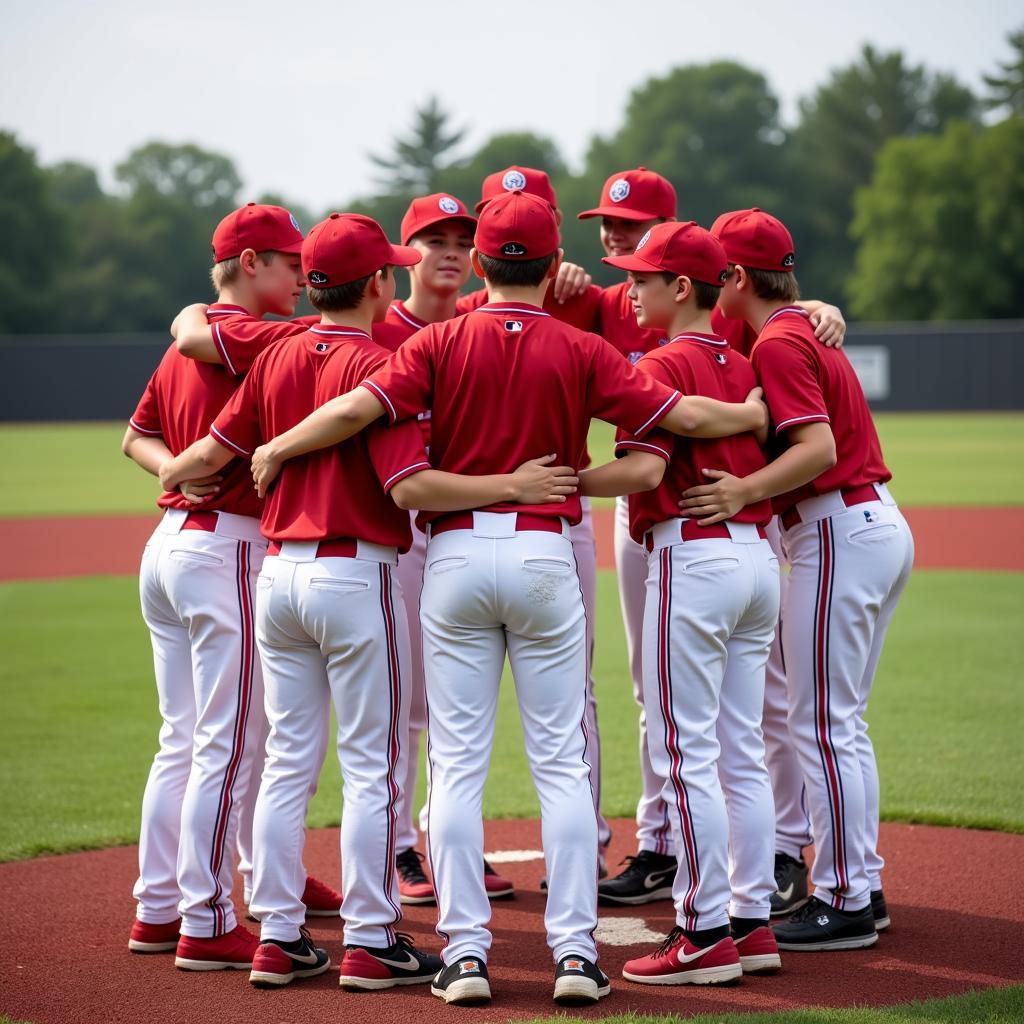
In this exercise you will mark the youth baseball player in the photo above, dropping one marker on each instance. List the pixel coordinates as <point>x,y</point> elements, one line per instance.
<point>712,604</point>
<point>501,580</point>
<point>197,579</point>
<point>330,621</point>
<point>851,553</point>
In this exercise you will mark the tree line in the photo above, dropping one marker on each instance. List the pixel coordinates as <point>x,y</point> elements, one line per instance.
<point>904,190</point>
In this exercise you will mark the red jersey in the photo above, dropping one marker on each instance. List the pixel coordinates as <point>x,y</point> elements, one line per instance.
<point>399,325</point>
<point>580,311</point>
<point>507,383</point>
<point>340,491</point>
<point>805,382</point>
<point>180,402</point>
<point>740,335</point>
<point>241,338</point>
<point>695,364</point>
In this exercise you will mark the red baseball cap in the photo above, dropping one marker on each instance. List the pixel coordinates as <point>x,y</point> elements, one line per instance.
<point>635,195</point>
<point>682,249</point>
<point>517,226</point>
<point>512,179</point>
<point>426,211</point>
<point>348,246</point>
<point>259,227</point>
<point>755,239</point>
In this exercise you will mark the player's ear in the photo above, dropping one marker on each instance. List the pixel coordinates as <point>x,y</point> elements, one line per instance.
<point>740,277</point>
<point>555,264</point>
<point>474,259</point>
<point>684,288</point>
<point>247,261</point>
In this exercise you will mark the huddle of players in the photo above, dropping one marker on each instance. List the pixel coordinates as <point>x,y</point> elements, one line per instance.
<point>513,573</point>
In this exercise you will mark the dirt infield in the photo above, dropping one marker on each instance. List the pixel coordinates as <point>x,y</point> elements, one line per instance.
<point>955,898</point>
<point>51,548</point>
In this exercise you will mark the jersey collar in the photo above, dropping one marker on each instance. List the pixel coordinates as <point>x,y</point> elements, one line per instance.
<point>783,311</point>
<point>401,311</point>
<point>225,309</point>
<point>705,339</point>
<point>517,308</point>
<point>338,331</point>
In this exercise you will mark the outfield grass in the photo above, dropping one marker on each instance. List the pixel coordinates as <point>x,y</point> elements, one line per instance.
<point>80,720</point>
<point>937,459</point>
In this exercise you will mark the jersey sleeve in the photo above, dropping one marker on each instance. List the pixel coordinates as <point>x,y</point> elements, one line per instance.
<point>622,395</point>
<point>581,311</point>
<point>787,371</point>
<point>146,418</point>
<point>396,452</point>
<point>237,425</point>
<point>405,383</point>
<point>240,339</point>
<point>656,441</point>
<point>467,303</point>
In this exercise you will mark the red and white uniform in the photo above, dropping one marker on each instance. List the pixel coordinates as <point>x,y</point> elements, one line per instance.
<point>330,626</point>
<point>851,553</point>
<point>712,605</point>
<point>507,383</point>
<point>197,588</point>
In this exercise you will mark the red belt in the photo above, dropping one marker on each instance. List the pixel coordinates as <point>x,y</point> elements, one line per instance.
<point>692,530</point>
<point>205,521</point>
<point>524,521</point>
<point>336,547</point>
<point>851,496</point>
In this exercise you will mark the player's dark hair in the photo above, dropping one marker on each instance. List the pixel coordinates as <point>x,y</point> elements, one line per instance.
<point>705,294</point>
<point>516,273</point>
<point>342,296</point>
<point>776,285</point>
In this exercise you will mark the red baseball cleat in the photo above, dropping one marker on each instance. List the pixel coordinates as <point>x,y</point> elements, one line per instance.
<point>320,899</point>
<point>280,963</point>
<point>366,969</point>
<point>154,938</point>
<point>678,962</point>
<point>413,884</point>
<point>759,952</point>
<point>496,886</point>
<point>232,951</point>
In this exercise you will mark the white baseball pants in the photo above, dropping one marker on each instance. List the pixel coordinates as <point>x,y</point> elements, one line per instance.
<point>653,824</point>
<point>712,606</point>
<point>331,629</point>
<point>849,568</point>
<point>197,600</point>
<point>488,592</point>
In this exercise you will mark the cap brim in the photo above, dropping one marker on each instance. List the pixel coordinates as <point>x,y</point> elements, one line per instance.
<point>632,262</point>
<point>404,256</point>
<point>622,212</point>
<point>465,218</point>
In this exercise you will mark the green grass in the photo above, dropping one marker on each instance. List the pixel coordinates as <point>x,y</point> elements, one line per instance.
<point>992,1006</point>
<point>80,722</point>
<point>937,459</point>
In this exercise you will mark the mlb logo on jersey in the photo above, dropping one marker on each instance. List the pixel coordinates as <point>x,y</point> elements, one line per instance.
<point>870,516</point>
<point>720,358</point>
<point>635,357</point>
<point>469,967</point>
<point>321,346</point>
<point>512,326</point>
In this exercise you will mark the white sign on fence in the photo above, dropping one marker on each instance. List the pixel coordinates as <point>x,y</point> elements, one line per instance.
<point>871,364</point>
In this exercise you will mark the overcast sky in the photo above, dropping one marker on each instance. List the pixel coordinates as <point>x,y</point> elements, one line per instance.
<point>299,93</point>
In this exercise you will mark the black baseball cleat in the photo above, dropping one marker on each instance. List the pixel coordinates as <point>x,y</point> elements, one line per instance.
<point>790,885</point>
<point>367,968</point>
<point>648,877</point>
<point>879,911</point>
<point>579,982</point>
<point>463,982</point>
<point>817,926</point>
<point>278,963</point>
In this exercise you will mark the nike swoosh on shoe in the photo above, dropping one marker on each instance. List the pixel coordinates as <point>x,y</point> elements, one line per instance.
<point>410,962</point>
<point>787,893</point>
<point>656,878</point>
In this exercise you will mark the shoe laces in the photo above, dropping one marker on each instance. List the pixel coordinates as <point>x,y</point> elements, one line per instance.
<point>812,907</point>
<point>410,867</point>
<point>635,866</point>
<point>404,941</point>
<point>673,939</point>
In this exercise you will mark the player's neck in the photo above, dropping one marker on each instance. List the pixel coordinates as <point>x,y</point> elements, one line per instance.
<point>517,296</point>
<point>360,318</point>
<point>759,310</point>
<point>429,306</point>
<point>690,320</point>
<point>239,295</point>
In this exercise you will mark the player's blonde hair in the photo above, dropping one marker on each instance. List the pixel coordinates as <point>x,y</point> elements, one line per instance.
<point>225,272</point>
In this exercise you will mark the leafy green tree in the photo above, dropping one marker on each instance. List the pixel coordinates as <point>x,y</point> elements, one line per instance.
<point>417,161</point>
<point>187,173</point>
<point>941,227</point>
<point>1006,89</point>
<point>35,240</point>
<point>832,152</point>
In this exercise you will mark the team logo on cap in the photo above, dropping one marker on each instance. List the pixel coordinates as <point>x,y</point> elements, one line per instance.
<point>317,277</point>
<point>513,180</point>
<point>513,249</point>
<point>447,205</point>
<point>789,260</point>
<point>643,241</point>
<point>513,326</point>
<point>619,190</point>
<point>295,223</point>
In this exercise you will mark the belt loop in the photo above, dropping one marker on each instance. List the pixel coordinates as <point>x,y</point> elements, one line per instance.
<point>494,525</point>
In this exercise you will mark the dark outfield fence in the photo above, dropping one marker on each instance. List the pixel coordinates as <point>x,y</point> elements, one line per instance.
<point>908,366</point>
